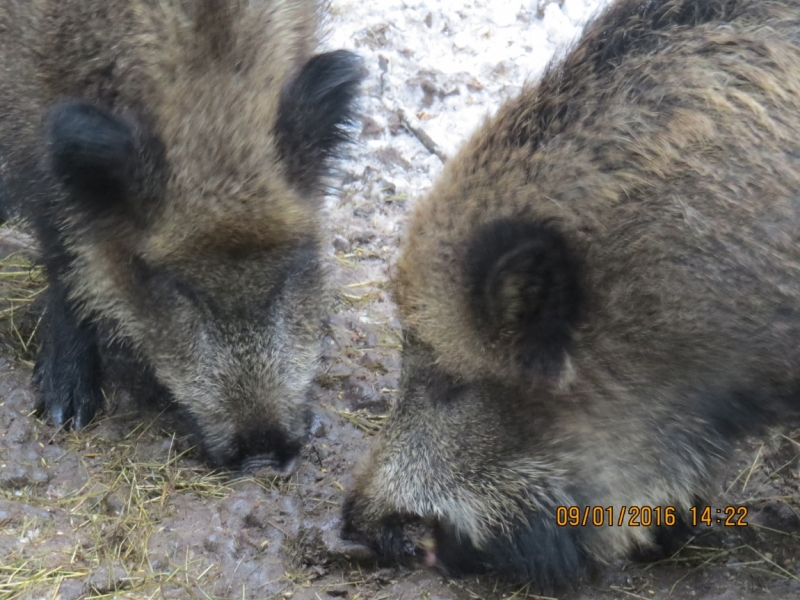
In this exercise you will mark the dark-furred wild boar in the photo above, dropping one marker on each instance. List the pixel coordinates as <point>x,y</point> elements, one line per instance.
<point>601,292</point>
<point>171,158</point>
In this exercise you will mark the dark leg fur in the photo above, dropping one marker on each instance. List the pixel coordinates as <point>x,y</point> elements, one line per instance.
<point>667,540</point>
<point>545,555</point>
<point>67,372</point>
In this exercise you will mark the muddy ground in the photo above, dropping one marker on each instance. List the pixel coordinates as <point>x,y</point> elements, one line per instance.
<point>125,509</point>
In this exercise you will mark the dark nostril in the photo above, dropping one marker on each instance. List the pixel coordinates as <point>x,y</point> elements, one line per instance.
<point>255,463</point>
<point>260,447</point>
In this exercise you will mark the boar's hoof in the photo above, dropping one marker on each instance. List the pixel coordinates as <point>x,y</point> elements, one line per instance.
<point>69,390</point>
<point>68,368</point>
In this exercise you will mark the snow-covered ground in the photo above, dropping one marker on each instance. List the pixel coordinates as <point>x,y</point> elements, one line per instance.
<point>436,68</point>
<point>445,64</point>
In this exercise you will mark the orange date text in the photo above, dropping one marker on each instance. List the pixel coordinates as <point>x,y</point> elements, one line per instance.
<point>615,516</point>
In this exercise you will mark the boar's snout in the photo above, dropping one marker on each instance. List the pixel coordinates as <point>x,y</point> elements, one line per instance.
<point>251,450</point>
<point>385,539</point>
<point>547,556</point>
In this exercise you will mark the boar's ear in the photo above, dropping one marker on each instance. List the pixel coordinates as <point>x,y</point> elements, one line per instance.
<point>525,292</point>
<point>316,109</point>
<point>104,160</point>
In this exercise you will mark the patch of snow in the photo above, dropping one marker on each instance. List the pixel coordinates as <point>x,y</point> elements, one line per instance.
<point>446,65</point>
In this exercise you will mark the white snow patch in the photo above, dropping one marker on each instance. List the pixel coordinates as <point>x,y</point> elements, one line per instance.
<point>446,64</point>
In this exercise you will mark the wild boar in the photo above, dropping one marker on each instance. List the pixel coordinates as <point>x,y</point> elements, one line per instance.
<point>171,158</point>
<point>599,295</point>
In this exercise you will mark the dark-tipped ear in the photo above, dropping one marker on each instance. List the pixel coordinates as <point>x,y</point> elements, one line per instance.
<point>525,292</point>
<point>91,150</point>
<point>316,109</point>
<point>103,160</point>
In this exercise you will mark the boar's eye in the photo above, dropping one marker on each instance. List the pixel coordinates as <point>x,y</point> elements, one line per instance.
<point>164,286</point>
<point>449,394</point>
<point>420,371</point>
<point>183,289</point>
<point>524,291</point>
<point>444,389</point>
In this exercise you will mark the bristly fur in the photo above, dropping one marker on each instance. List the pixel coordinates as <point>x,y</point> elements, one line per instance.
<point>626,225</point>
<point>171,158</point>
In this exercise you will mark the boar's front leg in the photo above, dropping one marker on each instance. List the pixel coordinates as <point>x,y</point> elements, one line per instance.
<point>68,369</point>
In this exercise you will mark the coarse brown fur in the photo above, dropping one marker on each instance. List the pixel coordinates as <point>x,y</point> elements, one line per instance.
<point>171,157</point>
<point>600,293</point>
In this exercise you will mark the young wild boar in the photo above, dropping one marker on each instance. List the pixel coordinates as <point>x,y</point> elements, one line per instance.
<point>600,293</point>
<point>171,158</point>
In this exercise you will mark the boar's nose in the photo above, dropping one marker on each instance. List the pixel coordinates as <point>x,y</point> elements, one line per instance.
<point>251,464</point>
<point>256,448</point>
<point>386,537</point>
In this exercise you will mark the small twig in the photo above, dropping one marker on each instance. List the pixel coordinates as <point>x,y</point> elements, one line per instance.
<point>283,531</point>
<point>319,458</point>
<point>423,137</point>
<point>616,588</point>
